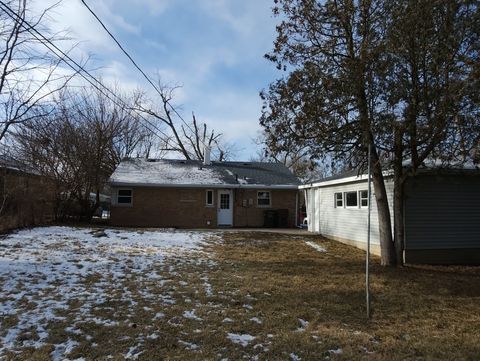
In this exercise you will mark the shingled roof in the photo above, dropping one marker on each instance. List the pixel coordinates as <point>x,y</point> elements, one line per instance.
<point>188,173</point>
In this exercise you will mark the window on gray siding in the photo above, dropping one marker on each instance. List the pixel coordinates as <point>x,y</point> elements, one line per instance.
<point>363,198</point>
<point>124,196</point>
<point>338,200</point>
<point>351,199</point>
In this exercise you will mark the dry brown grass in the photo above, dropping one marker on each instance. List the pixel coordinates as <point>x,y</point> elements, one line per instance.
<point>425,313</point>
<point>418,313</point>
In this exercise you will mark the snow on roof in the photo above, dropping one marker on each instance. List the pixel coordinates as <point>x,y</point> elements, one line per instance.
<point>162,172</point>
<point>171,172</point>
<point>13,164</point>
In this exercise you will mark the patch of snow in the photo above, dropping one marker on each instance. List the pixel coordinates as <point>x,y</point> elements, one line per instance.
<point>337,351</point>
<point>303,325</point>
<point>158,315</point>
<point>189,345</point>
<point>241,339</point>
<point>294,357</point>
<point>191,315</point>
<point>207,286</point>
<point>63,349</point>
<point>132,354</point>
<point>315,246</point>
<point>256,320</point>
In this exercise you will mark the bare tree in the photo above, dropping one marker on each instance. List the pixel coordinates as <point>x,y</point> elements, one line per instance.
<point>295,157</point>
<point>190,138</point>
<point>28,76</point>
<point>398,77</point>
<point>81,142</point>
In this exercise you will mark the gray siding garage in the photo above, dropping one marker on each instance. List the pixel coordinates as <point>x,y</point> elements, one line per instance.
<point>442,214</point>
<point>442,218</point>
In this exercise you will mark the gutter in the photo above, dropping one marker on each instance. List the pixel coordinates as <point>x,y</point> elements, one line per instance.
<point>206,186</point>
<point>352,179</point>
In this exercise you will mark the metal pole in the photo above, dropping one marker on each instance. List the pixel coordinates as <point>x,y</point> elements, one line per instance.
<point>367,261</point>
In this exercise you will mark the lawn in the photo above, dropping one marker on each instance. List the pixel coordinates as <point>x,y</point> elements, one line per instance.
<point>77,293</point>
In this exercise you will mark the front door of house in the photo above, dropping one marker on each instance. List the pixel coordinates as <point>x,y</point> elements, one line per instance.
<point>225,208</point>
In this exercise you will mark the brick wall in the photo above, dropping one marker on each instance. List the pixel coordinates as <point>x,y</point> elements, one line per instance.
<point>248,214</point>
<point>25,200</point>
<point>185,208</point>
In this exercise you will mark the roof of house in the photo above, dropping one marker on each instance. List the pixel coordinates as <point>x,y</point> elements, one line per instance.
<point>13,164</point>
<point>188,173</point>
<point>356,175</point>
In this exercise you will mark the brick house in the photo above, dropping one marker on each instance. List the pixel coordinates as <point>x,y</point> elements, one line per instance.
<point>194,194</point>
<point>26,197</point>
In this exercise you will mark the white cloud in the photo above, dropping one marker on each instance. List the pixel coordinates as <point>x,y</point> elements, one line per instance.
<point>193,53</point>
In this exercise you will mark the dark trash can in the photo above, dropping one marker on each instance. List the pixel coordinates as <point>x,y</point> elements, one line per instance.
<point>282,218</point>
<point>270,218</point>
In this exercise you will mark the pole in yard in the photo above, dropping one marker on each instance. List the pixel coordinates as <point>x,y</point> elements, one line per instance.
<point>367,260</point>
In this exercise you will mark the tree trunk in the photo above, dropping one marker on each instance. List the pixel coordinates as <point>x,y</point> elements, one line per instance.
<point>384,221</point>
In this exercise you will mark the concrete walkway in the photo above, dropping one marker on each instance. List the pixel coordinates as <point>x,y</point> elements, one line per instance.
<point>294,231</point>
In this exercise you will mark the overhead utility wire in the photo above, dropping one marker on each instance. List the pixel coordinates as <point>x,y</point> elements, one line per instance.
<point>138,67</point>
<point>80,69</point>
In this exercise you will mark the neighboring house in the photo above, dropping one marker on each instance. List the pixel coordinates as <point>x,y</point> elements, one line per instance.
<point>26,197</point>
<point>194,194</point>
<point>442,213</point>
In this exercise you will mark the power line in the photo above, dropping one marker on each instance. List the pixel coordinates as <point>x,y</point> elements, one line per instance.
<point>80,69</point>
<point>138,67</point>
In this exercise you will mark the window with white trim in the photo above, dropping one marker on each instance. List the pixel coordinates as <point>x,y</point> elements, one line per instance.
<point>209,198</point>
<point>363,195</point>
<point>351,199</point>
<point>124,196</point>
<point>338,200</point>
<point>263,199</point>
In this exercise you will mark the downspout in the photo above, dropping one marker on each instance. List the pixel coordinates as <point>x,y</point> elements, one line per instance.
<point>296,209</point>
<point>306,207</point>
<point>404,229</point>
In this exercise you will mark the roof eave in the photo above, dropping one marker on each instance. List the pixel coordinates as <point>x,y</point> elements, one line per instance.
<point>351,179</point>
<point>220,185</point>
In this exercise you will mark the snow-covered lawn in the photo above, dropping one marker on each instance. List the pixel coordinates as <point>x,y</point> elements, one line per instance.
<point>86,294</point>
<point>59,285</point>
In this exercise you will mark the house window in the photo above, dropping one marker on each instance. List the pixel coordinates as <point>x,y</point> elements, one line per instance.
<point>124,196</point>
<point>363,198</point>
<point>338,200</point>
<point>263,199</point>
<point>351,199</point>
<point>209,198</point>
<point>225,201</point>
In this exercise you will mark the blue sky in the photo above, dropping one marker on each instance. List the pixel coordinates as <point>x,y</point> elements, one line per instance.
<point>212,48</point>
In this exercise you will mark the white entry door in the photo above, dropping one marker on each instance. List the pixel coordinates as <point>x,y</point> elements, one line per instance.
<point>225,208</point>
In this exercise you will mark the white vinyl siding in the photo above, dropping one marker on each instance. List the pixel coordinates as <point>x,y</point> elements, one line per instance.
<point>349,223</point>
